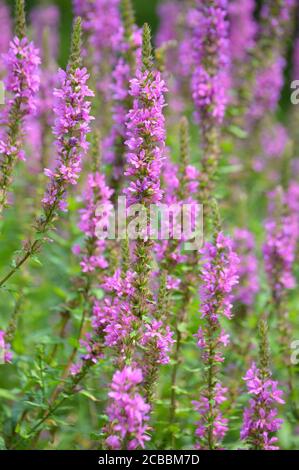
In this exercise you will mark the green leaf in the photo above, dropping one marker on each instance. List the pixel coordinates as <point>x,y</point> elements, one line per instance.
<point>238,132</point>
<point>7,394</point>
<point>88,395</point>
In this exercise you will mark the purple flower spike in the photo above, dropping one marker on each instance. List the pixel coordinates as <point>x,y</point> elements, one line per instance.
<point>128,412</point>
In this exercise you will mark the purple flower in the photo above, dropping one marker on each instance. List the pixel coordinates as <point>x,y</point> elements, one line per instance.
<point>95,217</point>
<point>219,276</point>
<point>296,60</point>
<point>6,31</point>
<point>260,418</point>
<point>241,19</point>
<point>158,338</point>
<point>279,249</point>
<point>5,352</point>
<point>268,85</point>
<point>23,80</point>
<point>276,16</point>
<point>22,84</point>
<point>71,128</point>
<point>244,245</point>
<point>113,317</point>
<point>219,422</point>
<point>120,98</point>
<point>145,138</point>
<point>101,21</point>
<point>46,18</point>
<point>211,59</point>
<point>167,12</point>
<point>127,412</point>
<point>101,18</point>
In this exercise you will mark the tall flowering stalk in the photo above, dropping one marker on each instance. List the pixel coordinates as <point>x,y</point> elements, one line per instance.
<point>71,127</point>
<point>22,82</point>
<point>94,216</point>
<point>45,24</point>
<point>103,34</point>
<point>279,252</point>
<point>280,247</point>
<point>241,18</point>
<point>210,82</point>
<point>124,70</point>
<point>145,144</point>
<point>276,21</point>
<point>244,245</point>
<point>218,278</point>
<point>260,421</point>
<point>92,254</point>
<point>157,339</point>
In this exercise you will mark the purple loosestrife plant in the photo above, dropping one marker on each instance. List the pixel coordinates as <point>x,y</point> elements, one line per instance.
<point>244,246</point>
<point>45,19</point>
<point>218,277</point>
<point>275,21</point>
<point>93,253</point>
<point>45,22</point>
<point>280,247</point>
<point>22,83</point>
<point>94,215</point>
<point>113,317</point>
<point>269,83</point>
<point>211,60</point>
<point>210,83</point>
<point>260,421</point>
<point>71,128</point>
<point>101,21</point>
<point>128,413</point>
<point>145,145</point>
<point>241,19</point>
<point>124,70</point>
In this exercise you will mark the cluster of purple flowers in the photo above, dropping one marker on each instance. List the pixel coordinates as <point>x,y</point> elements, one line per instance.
<point>241,19</point>
<point>211,59</point>
<point>93,217</point>
<point>145,156</point>
<point>269,83</point>
<point>159,338</point>
<point>260,418</point>
<point>220,423</point>
<point>45,21</point>
<point>6,28</point>
<point>244,246</point>
<point>71,128</point>
<point>113,316</point>
<point>128,413</point>
<point>280,248</point>
<point>22,83</point>
<point>121,99</point>
<point>218,276</point>
<point>135,296</point>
